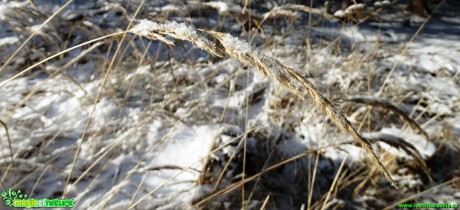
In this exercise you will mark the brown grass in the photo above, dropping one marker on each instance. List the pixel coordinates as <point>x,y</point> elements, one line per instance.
<point>223,45</point>
<point>389,106</point>
<point>242,51</point>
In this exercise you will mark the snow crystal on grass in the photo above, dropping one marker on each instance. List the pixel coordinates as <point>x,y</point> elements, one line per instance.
<point>340,14</point>
<point>244,52</point>
<point>354,7</point>
<point>224,7</point>
<point>177,30</point>
<point>144,27</point>
<point>239,46</point>
<point>349,11</point>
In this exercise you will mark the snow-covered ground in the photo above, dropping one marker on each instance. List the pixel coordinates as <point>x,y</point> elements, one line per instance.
<point>173,127</point>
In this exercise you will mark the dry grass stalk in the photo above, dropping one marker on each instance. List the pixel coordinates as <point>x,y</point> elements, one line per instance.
<point>333,185</point>
<point>398,142</point>
<point>180,31</point>
<point>245,53</point>
<point>9,144</point>
<point>238,184</point>
<point>310,10</point>
<point>388,105</point>
<point>279,12</point>
<point>37,31</point>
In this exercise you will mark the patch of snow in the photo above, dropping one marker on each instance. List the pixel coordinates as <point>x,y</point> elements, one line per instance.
<point>140,71</point>
<point>340,14</point>
<point>8,40</point>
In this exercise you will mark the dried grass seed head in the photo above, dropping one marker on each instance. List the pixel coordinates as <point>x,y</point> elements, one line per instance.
<point>176,30</point>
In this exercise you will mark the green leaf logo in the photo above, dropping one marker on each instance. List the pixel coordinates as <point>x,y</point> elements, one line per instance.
<point>9,195</point>
<point>4,194</point>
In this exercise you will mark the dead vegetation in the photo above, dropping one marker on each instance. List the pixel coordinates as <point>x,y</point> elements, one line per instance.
<point>277,146</point>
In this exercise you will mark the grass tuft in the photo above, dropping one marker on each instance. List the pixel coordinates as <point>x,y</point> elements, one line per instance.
<point>247,54</point>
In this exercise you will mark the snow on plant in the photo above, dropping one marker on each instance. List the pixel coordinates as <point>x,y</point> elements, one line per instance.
<point>245,53</point>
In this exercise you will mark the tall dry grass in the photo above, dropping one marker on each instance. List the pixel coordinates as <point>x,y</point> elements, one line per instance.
<point>223,45</point>
<point>247,54</point>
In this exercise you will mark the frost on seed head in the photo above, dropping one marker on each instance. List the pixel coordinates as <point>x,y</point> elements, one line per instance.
<point>145,27</point>
<point>238,46</point>
<point>190,33</point>
<point>180,31</point>
<point>246,53</point>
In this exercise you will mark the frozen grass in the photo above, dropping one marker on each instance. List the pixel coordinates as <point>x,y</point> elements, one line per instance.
<point>184,122</point>
<point>247,54</point>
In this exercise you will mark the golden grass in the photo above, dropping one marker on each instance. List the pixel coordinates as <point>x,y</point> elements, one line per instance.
<point>9,145</point>
<point>221,45</point>
<point>389,106</point>
<point>245,53</point>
